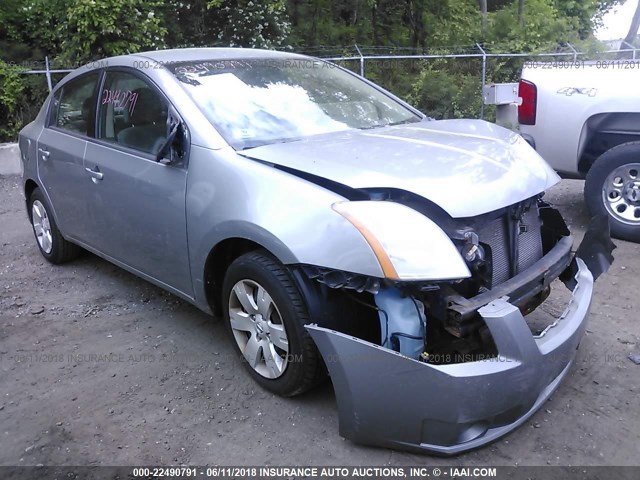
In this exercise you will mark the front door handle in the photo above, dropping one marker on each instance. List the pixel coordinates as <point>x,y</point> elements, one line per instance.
<point>96,174</point>
<point>44,154</point>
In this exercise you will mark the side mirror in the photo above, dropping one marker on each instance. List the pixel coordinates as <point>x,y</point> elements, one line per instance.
<point>168,153</point>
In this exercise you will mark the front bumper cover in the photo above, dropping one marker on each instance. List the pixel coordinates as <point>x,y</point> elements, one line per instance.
<point>387,399</point>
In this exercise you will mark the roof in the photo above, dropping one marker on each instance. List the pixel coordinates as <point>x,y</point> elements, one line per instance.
<point>197,54</point>
<point>166,57</point>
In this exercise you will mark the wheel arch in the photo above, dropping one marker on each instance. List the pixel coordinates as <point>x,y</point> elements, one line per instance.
<point>218,260</point>
<point>29,186</point>
<point>602,132</point>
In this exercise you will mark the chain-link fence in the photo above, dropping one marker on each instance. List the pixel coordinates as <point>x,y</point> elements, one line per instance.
<point>445,82</point>
<point>448,81</point>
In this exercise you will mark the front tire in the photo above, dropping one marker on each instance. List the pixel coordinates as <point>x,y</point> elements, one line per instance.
<point>50,241</point>
<point>265,317</point>
<point>612,187</point>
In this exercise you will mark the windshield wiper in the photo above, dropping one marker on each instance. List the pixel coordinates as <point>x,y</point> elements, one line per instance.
<point>402,122</point>
<point>271,142</point>
<point>392,124</point>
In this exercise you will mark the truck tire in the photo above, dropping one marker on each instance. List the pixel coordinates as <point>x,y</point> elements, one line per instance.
<point>612,187</point>
<point>265,316</point>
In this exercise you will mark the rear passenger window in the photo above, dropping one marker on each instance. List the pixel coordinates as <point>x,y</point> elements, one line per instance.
<point>74,105</point>
<point>132,113</point>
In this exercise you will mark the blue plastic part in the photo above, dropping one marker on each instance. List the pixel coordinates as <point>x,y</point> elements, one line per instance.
<point>402,322</point>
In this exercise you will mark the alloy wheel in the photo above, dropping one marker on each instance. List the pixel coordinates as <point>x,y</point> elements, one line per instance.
<point>258,329</point>
<point>42,226</point>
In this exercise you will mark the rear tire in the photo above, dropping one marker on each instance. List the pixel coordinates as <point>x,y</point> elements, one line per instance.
<point>612,188</point>
<point>265,317</point>
<point>50,241</point>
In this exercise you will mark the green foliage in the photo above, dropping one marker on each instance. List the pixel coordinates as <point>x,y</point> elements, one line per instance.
<point>460,25</point>
<point>21,97</point>
<point>443,94</point>
<point>584,15</point>
<point>189,23</point>
<point>70,32</point>
<point>11,92</point>
<point>251,23</point>
<point>42,24</point>
<point>544,28</point>
<point>452,89</point>
<point>102,28</point>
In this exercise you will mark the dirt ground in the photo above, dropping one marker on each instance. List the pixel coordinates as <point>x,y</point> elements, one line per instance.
<point>98,367</point>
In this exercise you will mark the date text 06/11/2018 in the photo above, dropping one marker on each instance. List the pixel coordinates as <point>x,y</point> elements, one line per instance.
<point>578,64</point>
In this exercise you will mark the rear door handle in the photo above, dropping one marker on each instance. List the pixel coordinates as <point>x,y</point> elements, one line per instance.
<point>44,154</point>
<point>95,174</point>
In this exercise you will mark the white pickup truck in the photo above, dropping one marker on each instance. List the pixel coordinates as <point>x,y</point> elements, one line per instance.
<point>584,119</point>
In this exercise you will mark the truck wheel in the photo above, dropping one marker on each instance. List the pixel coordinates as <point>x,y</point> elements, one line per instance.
<point>265,315</point>
<point>613,187</point>
<point>50,241</point>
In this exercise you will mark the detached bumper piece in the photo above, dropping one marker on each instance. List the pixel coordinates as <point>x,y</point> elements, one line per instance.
<point>389,400</point>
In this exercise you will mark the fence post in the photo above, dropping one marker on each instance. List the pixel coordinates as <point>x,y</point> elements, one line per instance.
<point>48,73</point>
<point>484,79</point>
<point>361,61</point>
<point>575,52</point>
<point>631,46</point>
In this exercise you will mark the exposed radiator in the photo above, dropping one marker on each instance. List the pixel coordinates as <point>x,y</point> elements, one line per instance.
<point>529,238</point>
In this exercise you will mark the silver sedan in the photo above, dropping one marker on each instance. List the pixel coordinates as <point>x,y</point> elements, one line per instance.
<point>334,228</point>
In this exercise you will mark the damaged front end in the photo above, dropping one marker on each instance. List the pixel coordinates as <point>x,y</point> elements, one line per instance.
<point>448,366</point>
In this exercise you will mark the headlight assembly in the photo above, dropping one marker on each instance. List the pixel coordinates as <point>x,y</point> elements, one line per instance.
<point>408,245</point>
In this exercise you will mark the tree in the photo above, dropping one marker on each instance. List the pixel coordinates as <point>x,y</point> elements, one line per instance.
<point>260,24</point>
<point>72,31</point>
<point>28,28</point>
<point>483,11</point>
<point>521,13</point>
<point>101,28</point>
<point>415,15</point>
<point>633,29</point>
<point>189,24</point>
<point>585,15</point>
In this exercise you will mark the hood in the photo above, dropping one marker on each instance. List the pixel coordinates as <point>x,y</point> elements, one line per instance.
<point>467,167</point>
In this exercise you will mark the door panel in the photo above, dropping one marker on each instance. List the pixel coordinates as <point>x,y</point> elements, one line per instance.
<point>137,205</point>
<point>60,151</point>
<point>137,213</point>
<point>61,173</point>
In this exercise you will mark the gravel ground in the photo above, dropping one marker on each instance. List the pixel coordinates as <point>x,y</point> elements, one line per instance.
<point>98,367</point>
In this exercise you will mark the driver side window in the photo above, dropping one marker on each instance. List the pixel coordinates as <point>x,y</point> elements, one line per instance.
<point>132,114</point>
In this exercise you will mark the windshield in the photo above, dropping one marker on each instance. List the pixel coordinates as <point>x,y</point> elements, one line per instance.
<point>254,102</point>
